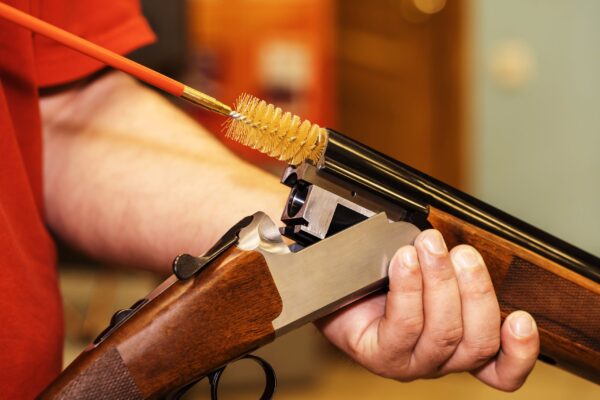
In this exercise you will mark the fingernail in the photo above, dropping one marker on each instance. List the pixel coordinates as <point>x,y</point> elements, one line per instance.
<point>466,258</point>
<point>409,258</point>
<point>521,324</point>
<point>434,242</point>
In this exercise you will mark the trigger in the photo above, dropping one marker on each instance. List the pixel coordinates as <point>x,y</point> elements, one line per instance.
<point>270,378</point>
<point>215,377</point>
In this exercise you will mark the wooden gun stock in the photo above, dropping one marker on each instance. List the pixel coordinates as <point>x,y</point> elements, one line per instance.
<point>566,305</point>
<point>185,330</point>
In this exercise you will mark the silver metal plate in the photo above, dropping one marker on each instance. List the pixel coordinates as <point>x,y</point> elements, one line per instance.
<point>329,274</point>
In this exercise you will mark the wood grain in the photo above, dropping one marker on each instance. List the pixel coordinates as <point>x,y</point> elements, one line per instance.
<point>566,305</point>
<point>191,328</point>
<point>401,86</point>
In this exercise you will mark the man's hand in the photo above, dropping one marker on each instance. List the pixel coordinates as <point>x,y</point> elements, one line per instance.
<point>439,316</point>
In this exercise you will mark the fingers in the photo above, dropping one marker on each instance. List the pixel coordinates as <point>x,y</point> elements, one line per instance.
<point>480,312</point>
<point>402,324</point>
<point>354,328</point>
<point>440,315</point>
<point>381,331</point>
<point>443,326</point>
<point>520,346</point>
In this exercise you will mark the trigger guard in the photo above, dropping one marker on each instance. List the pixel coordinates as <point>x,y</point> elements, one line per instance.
<point>270,378</point>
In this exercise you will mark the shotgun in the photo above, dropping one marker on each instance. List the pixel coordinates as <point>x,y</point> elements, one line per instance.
<point>347,212</point>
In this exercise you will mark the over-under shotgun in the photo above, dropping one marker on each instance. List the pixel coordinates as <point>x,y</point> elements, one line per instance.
<point>347,214</point>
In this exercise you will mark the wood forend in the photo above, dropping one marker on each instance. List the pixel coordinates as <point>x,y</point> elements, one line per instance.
<point>566,305</point>
<point>190,329</point>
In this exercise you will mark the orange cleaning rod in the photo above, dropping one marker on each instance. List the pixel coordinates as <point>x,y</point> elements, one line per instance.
<point>113,59</point>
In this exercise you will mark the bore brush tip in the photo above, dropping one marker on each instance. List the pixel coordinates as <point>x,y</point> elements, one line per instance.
<point>279,134</point>
<point>205,101</point>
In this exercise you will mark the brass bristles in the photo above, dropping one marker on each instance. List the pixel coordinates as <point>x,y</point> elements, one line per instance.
<point>268,129</point>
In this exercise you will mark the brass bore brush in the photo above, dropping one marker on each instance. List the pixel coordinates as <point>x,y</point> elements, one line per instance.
<point>253,122</point>
<point>279,134</point>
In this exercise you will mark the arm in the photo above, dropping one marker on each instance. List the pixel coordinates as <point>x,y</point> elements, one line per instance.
<point>130,178</point>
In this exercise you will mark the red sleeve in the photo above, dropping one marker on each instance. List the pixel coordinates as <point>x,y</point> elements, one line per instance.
<point>115,24</point>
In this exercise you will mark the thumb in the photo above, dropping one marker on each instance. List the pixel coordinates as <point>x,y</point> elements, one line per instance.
<point>520,346</point>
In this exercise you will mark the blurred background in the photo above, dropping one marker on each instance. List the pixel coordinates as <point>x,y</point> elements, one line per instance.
<point>498,98</point>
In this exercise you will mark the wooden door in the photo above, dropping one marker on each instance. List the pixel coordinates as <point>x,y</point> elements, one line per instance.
<point>399,81</point>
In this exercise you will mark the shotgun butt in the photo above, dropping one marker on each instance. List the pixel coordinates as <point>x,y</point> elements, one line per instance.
<point>180,333</point>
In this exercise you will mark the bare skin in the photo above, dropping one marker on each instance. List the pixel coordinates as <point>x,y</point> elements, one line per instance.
<point>131,179</point>
<point>440,316</point>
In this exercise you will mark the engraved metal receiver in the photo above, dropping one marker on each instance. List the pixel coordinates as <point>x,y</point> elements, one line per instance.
<point>312,281</point>
<point>249,288</point>
<point>316,280</point>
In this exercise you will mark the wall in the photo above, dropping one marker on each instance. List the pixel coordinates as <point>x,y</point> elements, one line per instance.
<point>536,122</point>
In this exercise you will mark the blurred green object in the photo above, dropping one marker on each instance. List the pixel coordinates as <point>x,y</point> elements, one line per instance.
<point>535,128</point>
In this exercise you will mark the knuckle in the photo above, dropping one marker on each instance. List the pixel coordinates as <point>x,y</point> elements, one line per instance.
<point>448,338</point>
<point>400,342</point>
<point>483,349</point>
<point>412,326</point>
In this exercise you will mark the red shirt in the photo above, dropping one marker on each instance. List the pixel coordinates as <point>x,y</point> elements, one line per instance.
<point>31,325</point>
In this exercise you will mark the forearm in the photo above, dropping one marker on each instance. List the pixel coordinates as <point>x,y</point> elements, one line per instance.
<point>130,178</point>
